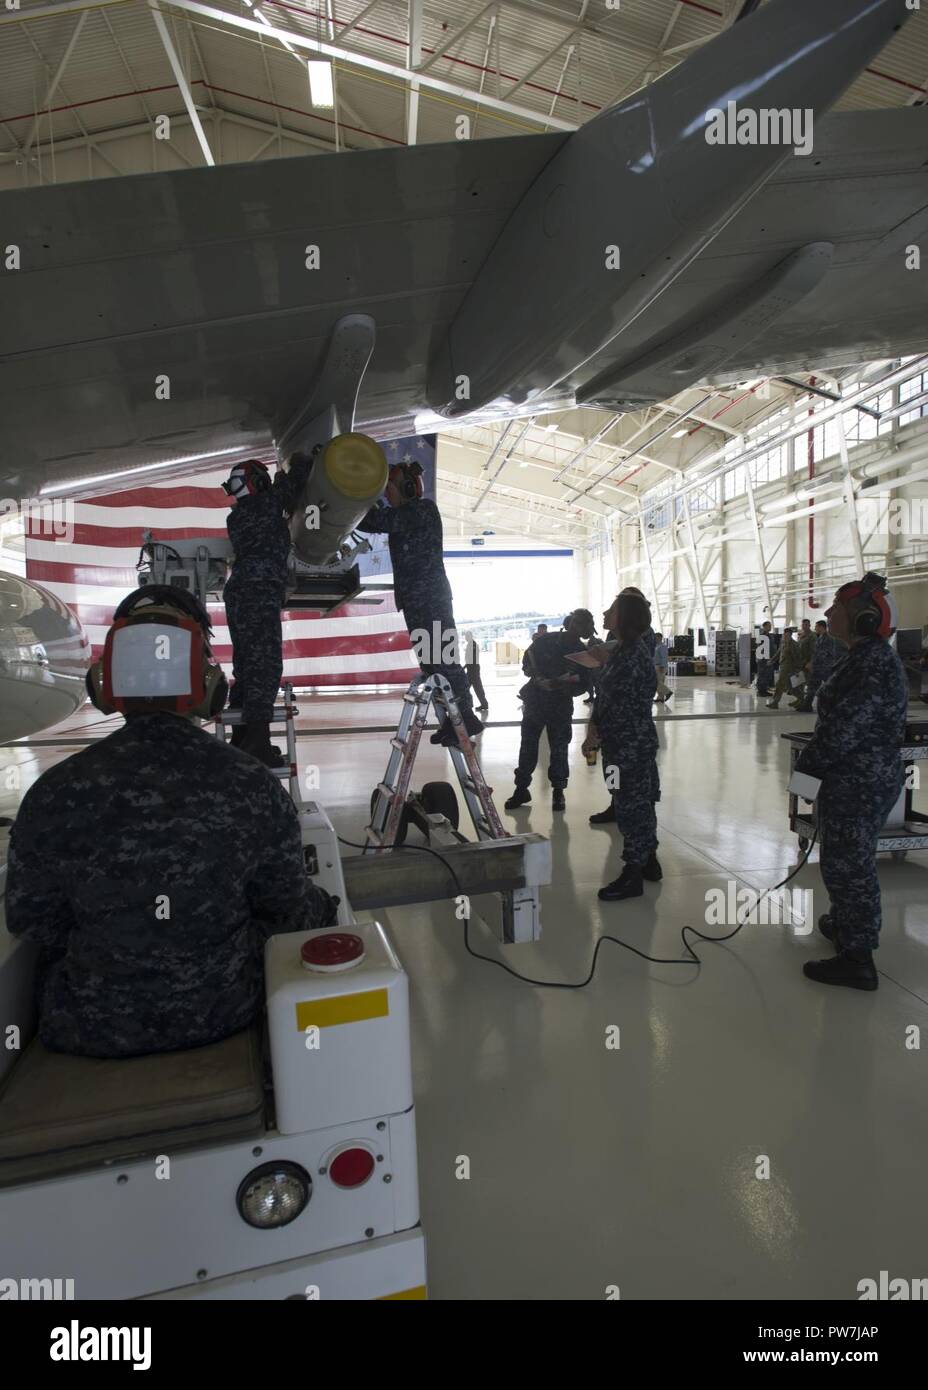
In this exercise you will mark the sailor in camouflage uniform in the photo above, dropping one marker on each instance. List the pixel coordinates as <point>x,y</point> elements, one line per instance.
<point>548,705</point>
<point>150,868</point>
<point>855,753</point>
<point>412,524</point>
<point>255,592</point>
<point>623,726</point>
<point>826,653</point>
<point>607,816</point>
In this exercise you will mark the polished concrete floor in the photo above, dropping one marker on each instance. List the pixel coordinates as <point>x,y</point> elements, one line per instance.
<point>642,1166</point>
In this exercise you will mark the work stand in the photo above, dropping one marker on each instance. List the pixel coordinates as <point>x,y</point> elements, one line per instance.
<point>392,806</point>
<point>476,869</point>
<point>281,721</point>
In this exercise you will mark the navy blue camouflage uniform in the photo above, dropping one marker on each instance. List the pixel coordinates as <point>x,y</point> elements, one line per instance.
<point>257,588</point>
<point>826,654</point>
<point>150,868</point>
<point>855,751</point>
<point>420,585</point>
<point>548,710</point>
<point>624,722</point>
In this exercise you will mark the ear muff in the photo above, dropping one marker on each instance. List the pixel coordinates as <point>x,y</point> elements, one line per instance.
<point>408,478</point>
<point>216,691</point>
<point>880,618</point>
<point>94,685</point>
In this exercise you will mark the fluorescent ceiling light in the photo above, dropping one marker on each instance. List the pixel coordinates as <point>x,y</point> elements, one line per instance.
<point>549,429</point>
<point>321,88</point>
<point>679,434</point>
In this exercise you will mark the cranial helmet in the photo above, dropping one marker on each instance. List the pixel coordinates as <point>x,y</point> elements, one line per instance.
<point>157,656</point>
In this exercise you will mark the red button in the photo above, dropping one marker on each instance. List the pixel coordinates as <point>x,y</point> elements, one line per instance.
<point>333,949</point>
<point>351,1167</point>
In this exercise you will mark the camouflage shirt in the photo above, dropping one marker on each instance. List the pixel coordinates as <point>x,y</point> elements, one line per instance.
<point>622,712</point>
<point>861,725</point>
<point>259,530</point>
<point>546,659</point>
<point>150,868</point>
<point>826,654</point>
<point>415,538</point>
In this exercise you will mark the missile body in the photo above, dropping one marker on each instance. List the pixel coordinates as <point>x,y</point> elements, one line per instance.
<point>345,481</point>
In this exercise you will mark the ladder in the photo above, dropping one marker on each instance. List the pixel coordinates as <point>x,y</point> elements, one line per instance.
<point>390,795</point>
<point>282,718</point>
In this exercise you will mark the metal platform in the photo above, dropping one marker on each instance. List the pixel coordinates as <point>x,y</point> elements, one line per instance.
<point>905,828</point>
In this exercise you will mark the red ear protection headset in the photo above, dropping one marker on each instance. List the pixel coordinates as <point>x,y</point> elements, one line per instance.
<point>136,667</point>
<point>248,478</point>
<point>408,478</point>
<point>880,617</point>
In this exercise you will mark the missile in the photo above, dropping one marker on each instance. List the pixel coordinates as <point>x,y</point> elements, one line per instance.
<point>44,657</point>
<point>347,477</point>
<point>635,195</point>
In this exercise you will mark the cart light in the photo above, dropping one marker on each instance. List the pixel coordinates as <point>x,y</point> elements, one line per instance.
<point>273,1195</point>
<point>351,1167</point>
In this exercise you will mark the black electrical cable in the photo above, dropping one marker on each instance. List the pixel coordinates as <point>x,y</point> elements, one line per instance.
<point>690,959</point>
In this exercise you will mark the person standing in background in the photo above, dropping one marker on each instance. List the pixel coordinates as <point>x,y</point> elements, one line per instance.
<point>660,666</point>
<point>472,666</point>
<point>768,644</point>
<point>789,664</point>
<point>826,653</point>
<point>548,705</point>
<point>806,639</point>
<point>856,755</point>
<point>623,727</point>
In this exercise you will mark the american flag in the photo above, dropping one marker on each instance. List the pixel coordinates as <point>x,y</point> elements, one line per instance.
<point>94,566</point>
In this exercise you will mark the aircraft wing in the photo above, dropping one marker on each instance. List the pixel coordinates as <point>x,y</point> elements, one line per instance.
<point>200,276</point>
<point>864,190</point>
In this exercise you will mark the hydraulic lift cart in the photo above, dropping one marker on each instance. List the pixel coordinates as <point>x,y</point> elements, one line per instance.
<point>905,828</point>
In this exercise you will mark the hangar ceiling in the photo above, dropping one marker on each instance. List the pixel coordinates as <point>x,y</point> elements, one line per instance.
<point>83,81</point>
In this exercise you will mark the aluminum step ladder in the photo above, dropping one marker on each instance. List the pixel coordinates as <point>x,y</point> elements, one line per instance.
<point>282,719</point>
<point>391,793</point>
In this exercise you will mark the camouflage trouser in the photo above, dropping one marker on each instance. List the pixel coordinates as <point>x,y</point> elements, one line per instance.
<point>253,615</point>
<point>540,711</point>
<point>785,685</point>
<point>440,622</point>
<point>848,864</point>
<point>633,804</point>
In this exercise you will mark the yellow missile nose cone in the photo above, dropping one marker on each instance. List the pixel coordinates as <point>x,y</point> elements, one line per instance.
<point>356,465</point>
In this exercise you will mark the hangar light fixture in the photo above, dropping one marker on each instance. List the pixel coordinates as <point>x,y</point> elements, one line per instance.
<point>321,89</point>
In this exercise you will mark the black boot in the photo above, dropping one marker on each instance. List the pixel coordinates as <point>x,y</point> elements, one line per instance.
<point>557,800</point>
<point>855,969</point>
<point>520,797</point>
<point>652,871</point>
<point>238,735</point>
<point>471,723</point>
<point>445,734</point>
<point>256,740</point>
<point>603,817</point>
<point>628,885</point>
